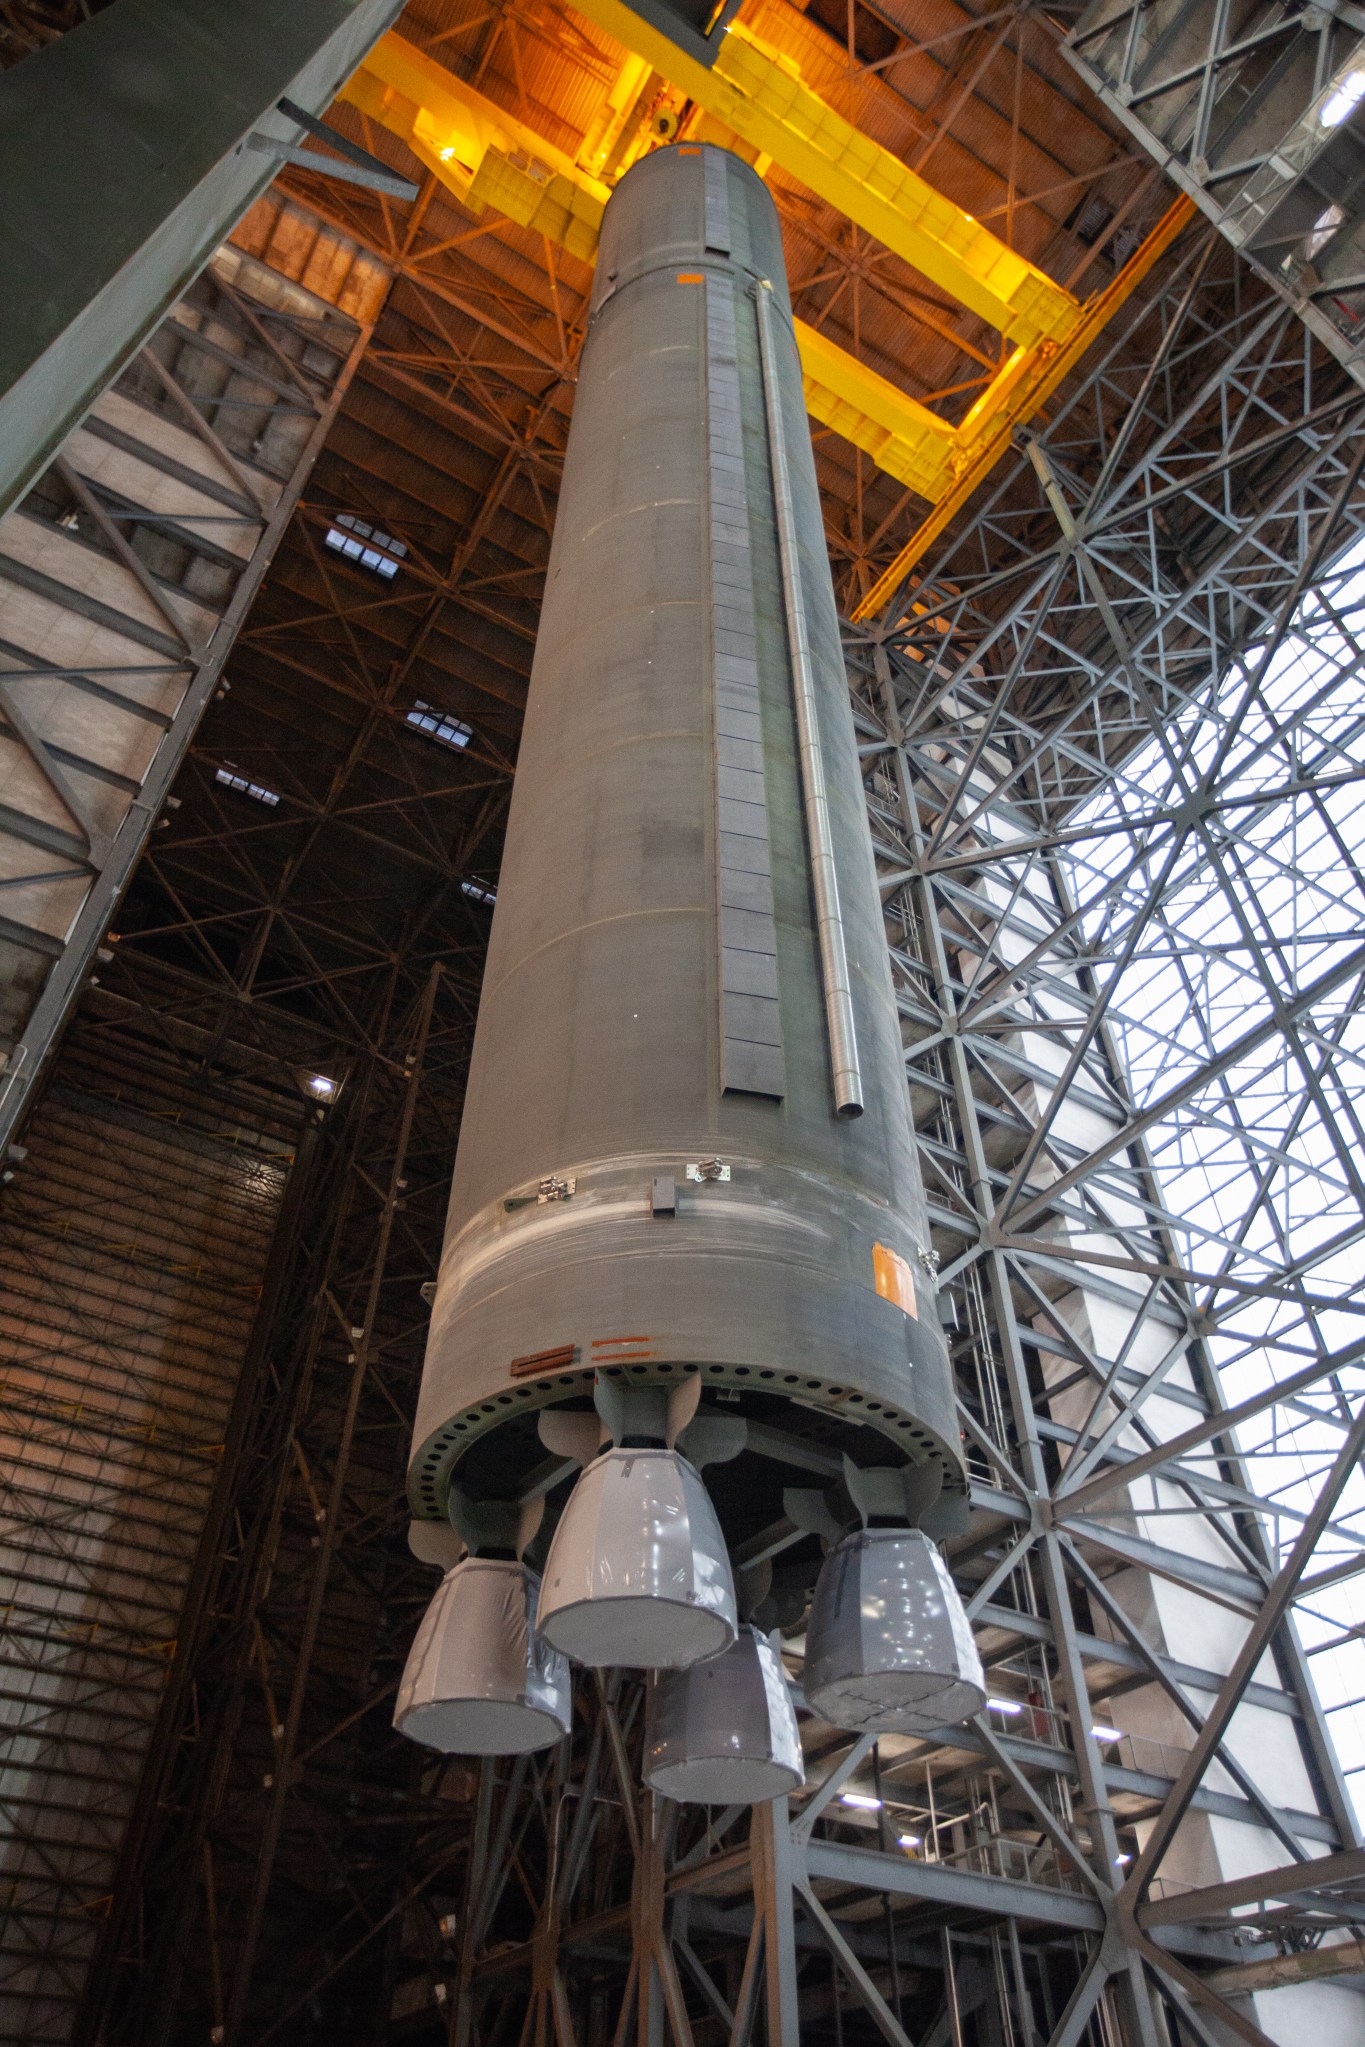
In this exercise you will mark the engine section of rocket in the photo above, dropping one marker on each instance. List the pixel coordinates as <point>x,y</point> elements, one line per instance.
<point>686,1205</point>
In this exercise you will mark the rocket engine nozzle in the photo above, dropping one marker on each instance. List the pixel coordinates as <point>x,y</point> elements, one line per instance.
<point>888,1646</point>
<point>724,1732</point>
<point>638,1574</point>
<point>479,1680</point>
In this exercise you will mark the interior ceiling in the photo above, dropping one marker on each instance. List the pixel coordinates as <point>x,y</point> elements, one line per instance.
<point>452,437</point>
<point>977,99</point>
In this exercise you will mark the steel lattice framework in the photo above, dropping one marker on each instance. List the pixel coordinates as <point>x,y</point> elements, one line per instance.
<point>1246,107</point>
<point>1112,753</point>
<point>1117,812</point>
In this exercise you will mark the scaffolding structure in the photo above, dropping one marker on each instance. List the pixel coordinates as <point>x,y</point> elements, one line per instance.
<point>1101,732</point>
<point>1111,744</point>
<point>1248,109</point>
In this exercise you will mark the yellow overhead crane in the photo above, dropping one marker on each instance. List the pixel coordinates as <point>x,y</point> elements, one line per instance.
<point>759,95</point>
<point>478,152</point>
<point>489,159</point>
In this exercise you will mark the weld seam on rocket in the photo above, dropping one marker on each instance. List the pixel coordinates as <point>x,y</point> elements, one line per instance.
<point>845,1072</point>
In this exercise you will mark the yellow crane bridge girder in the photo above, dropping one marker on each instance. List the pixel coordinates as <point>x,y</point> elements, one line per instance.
<point>488,158</point>
<point>760,95</point>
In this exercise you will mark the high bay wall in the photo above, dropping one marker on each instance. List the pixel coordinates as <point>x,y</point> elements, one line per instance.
<point>1088,770</point>
<point>145,1275</point>
<point>133,1251</point>
<point>137,1245</point>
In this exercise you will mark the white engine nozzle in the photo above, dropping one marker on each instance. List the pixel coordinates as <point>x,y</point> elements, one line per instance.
<point>889,1647</point>
<point>638,1574</point>
<point>479,1681</point>
<point>724,1732</point>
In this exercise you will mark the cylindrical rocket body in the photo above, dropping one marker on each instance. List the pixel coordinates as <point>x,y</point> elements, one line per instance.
<point>655,1006</point>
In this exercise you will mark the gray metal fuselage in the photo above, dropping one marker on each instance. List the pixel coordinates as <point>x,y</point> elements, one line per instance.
<point>655,997</point>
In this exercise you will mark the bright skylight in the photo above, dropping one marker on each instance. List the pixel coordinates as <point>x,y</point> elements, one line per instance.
<point>369,545</point>
<point>231,780</point>
<point>441,725</point>
<point>1263,1166</point>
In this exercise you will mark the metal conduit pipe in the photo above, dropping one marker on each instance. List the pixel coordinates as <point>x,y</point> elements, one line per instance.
<point>845,1072</point>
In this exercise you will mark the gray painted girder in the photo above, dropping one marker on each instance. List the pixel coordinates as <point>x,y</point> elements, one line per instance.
<point>111,864</point>
<point>124,161</point>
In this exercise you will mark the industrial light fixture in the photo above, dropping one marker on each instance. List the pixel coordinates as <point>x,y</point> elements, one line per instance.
<point>479,1681</point>
<point>724,1732</point>
<point>1004,1706</point>
<point>1342,100</point>
<point>910,1840</point>
<point>1099,1733</point>
<point>888,1645</point>
<point>861,1800</point>
<point>323,1088</point>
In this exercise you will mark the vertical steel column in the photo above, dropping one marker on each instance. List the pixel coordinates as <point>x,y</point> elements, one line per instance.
<point>775,1900</point>
<point>362,1337</point>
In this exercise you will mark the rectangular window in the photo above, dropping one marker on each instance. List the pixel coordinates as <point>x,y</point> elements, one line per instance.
<point>873,38</point>
<point>256,790</point>
<point>440,725</point>
<point>359,541</point>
